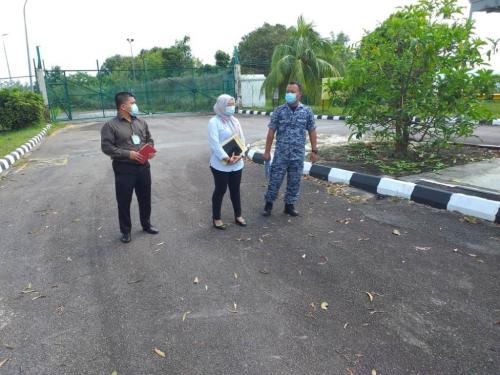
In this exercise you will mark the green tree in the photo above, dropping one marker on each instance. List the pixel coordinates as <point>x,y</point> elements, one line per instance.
<point>178,57</point>
<point>303,58</point>
<point>419,62</point>
<point>340,53</point>
<point>256,48</point>
<point>222,59</point>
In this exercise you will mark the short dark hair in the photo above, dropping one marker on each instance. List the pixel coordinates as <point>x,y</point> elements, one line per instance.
<point>296,83</point>
<point>122,98</point>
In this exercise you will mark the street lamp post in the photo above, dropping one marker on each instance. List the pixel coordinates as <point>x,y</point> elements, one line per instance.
<point>27,45</point>
<point>130,40</point>
<point>6,58</point>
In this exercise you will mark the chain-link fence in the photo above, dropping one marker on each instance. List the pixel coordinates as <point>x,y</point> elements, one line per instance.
<point>88,94</point>
<point>20,82</point>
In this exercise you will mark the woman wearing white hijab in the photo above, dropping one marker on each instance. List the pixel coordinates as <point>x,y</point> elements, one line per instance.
<point>227,169</point>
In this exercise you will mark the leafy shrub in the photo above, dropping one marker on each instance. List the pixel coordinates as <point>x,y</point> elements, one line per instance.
<point>20,109</point>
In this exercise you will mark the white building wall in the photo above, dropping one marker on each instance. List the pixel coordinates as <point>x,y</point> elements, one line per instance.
<point>251,85</point>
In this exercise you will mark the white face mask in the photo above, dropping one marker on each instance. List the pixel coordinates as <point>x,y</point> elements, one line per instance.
<point>134,110</point>
<point>230,109</point>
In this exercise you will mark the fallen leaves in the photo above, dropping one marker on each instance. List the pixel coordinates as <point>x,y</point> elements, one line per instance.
<point>38,297</point>
<point>469,220</point>
<point>233,310</point>
<point>159,352</point>
<point>184,316</point>
<point>396,232</point>
<point>324,260</point>
<point>196,280</point>
<point>420,248</point>
<point>324,306</point>
<point>345,221</point>
<point>4,362</point>
<point>370,296</point>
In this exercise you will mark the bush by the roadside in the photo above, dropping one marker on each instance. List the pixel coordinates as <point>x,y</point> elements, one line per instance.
<point>20,109</point>
<point>379,158</point>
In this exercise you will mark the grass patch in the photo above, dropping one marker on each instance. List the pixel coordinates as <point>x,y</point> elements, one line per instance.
<point>493,107</point>
<point>379,159</point>
<point>10,140</point>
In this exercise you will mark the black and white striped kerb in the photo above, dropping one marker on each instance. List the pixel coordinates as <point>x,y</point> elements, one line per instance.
<point>465,204</point>
<point>342,118</point>
<point>263,113</point>
<point>8,160</point>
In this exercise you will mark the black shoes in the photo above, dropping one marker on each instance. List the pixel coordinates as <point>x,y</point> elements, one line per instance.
<point>241,223</point>
<point>126,238</point>
<point>267,209</point>
<point>290,210</point>
<point>220,227</point>
<point>151,230</point>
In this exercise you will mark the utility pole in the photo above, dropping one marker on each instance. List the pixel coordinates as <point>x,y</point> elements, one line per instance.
<point>130,40</point>
<point>6,58</point>
<point>27,45</point>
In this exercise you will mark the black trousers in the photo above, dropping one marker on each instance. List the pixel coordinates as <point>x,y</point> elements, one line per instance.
<point>130,177</point>
<point>222,181</point>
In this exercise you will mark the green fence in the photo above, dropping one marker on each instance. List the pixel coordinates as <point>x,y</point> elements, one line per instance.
<point>89,94</point>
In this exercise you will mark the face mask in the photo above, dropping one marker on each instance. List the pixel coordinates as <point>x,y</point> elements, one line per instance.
<point>290,97</point>
<point>134,110</point>
<point>230,110</point>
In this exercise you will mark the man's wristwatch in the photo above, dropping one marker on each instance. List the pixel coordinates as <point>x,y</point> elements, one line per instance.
<point>314,151</point>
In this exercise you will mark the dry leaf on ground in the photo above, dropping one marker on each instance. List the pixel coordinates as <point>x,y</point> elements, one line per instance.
<point>159,352</point>
<point>396,232</point>
<point>4,362</point>
<point>470,220</point>
<point>370,296</point>
<point>196,281</point>
<point>420,248</point>
<point>185,315</point>
<point>324,305</point>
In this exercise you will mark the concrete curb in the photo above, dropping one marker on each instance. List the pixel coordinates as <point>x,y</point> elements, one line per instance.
<point>342,118</point>
<point>8,160</point>
<point>465,204</point>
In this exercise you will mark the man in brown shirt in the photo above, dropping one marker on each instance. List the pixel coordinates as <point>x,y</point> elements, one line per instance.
<point>121,139</point>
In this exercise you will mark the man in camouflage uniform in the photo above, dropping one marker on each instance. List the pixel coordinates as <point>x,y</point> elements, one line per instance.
<point>289,122</point>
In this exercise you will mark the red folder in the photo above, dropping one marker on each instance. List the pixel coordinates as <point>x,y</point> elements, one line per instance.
<point>145,151</point>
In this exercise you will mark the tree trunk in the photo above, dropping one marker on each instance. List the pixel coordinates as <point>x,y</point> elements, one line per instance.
<point>402,139</point>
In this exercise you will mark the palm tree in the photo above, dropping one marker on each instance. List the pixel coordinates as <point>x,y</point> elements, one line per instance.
<point>301,59</point>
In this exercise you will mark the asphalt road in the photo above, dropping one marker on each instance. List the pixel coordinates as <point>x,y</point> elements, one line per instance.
<point>102,306</point>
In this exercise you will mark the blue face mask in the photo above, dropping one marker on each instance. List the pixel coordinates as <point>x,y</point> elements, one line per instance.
<point>291,97</point>
<point>134,110</point>
<point>230,110</point>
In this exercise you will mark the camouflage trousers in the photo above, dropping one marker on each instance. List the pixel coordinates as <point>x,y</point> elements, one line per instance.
<point>294,170</point>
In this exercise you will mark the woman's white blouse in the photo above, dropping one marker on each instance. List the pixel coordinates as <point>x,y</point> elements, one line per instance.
<point>218,132</point>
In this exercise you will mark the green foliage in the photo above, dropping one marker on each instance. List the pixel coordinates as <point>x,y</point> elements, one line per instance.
<point>340,53</point>
<point>20,109</point>
<point>222,59</point>
<point>419,62</point>
<point>256,48</point>
<point>303,58</point>
<point>379,158</point>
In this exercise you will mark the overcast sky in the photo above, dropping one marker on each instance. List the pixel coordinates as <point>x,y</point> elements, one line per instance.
<point>73,34</point>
